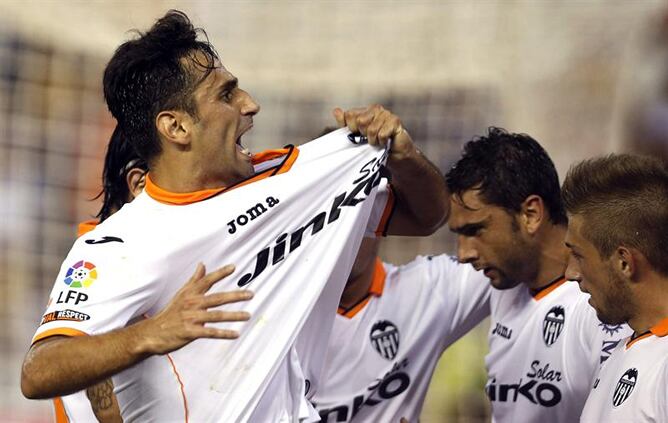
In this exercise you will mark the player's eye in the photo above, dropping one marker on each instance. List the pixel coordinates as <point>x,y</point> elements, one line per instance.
<point>471,231</point>
<point>226,96</point>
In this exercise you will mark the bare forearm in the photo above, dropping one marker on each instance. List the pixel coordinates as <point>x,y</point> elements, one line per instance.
<point>61,366</point>
<point>422,201</point>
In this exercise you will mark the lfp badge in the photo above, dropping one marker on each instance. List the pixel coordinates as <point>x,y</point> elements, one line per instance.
<point>81,275</point>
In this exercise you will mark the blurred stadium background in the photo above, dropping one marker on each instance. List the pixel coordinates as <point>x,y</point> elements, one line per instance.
<point>583,77</point>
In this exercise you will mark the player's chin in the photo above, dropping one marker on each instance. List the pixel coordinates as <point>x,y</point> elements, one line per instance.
<point>245,167</point>
<point>502,283</point>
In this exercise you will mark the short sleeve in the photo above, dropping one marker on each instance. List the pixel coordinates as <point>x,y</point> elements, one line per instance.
<point>96,291</point>
<point>464,293</point>
<point>382,210</point>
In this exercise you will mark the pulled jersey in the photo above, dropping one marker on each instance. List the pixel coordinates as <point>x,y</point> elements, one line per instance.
<point>544,351</point>
<point>632,385</point>
<point>383,351</point>
<point>289,230</point>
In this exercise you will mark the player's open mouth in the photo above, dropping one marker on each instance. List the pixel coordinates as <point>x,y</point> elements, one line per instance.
<point>240,147</point>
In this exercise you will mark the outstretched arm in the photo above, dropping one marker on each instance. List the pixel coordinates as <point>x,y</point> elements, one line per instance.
<point>49,371</point>
<point>422,204</point>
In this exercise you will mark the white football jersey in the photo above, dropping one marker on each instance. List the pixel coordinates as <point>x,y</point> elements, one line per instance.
<point>291,231</point>
<point>544,351</point>
<point>383,351</point>
<point>632,385</point>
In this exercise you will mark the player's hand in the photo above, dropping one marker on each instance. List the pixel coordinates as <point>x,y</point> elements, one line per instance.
<point>380,126</point>
<point>183,319</point>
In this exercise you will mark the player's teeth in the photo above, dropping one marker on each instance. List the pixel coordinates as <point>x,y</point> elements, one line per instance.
<point>246,151</point>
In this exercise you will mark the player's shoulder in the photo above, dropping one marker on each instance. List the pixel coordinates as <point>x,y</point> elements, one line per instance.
<point>434,269</point>
<point>115,236</point>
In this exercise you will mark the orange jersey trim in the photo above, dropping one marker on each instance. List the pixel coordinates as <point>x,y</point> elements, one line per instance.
<point>634,340</point>
<point>58,332</point>
<point>86,226</point>
<point>185,198</point>
<point>376,289</point>
<point>59,410</point>
<point>183,392</point>
<point>545,291</point>
<point>387,214</point>
<point>660,330</point>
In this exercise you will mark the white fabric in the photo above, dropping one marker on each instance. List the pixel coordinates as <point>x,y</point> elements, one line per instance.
<point>225,380</point>
<point>531,381</point>
<point>621,394</point>
<point>431,302</point>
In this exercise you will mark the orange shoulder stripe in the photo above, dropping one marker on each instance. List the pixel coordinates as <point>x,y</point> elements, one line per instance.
<point>58,332</point>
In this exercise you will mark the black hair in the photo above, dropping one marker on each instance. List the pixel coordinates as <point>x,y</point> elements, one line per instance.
<point>156,71</point>
<point>506,168</point>
<point>623,200</point>
<point>120,158</point>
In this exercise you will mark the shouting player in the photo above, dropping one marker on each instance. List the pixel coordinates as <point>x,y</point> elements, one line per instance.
<point>123,178</point>
<point>617,236</point>
<point>545,342</point>
<point>292,225</point>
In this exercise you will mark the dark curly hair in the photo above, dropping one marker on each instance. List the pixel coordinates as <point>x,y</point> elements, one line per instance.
<point>120,158</point>
<point>507,168</point>
<point>156,71</point>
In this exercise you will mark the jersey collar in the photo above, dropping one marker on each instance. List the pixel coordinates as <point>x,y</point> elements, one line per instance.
<point>288,154</point>
<point>376,290</point>
<point>544,291</point>
<point>86,226</point>
<point>660,330</point>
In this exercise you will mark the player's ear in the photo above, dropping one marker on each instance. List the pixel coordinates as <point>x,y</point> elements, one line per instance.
<point>532,213</point>
<point>136,180</point>
<point>625,262</point>
<point>174,126</point>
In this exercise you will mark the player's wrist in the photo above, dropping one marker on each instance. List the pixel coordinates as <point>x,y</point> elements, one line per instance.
<point>141,342</point>
<point>403,148</point>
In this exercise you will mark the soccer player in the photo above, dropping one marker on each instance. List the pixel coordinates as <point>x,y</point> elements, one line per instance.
<point>292,224</point>
<point>393,324</point>
<point>545,342</point>
<point>617,231</point>
<point>123,178</point>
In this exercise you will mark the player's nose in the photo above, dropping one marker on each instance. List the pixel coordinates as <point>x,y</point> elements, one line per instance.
<point>573,272</point>
<point>466,251</point>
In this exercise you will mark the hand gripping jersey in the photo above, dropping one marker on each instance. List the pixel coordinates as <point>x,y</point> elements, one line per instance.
<point>632,385</point>
<point>291,231</point>
<point>383,351</point>
<point>544,351</point>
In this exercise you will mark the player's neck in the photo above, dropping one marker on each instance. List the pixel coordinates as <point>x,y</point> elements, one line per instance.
<point>650,303</point>
<point>553,256</point>
<point>358,288</point>
<point>181,175</point>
